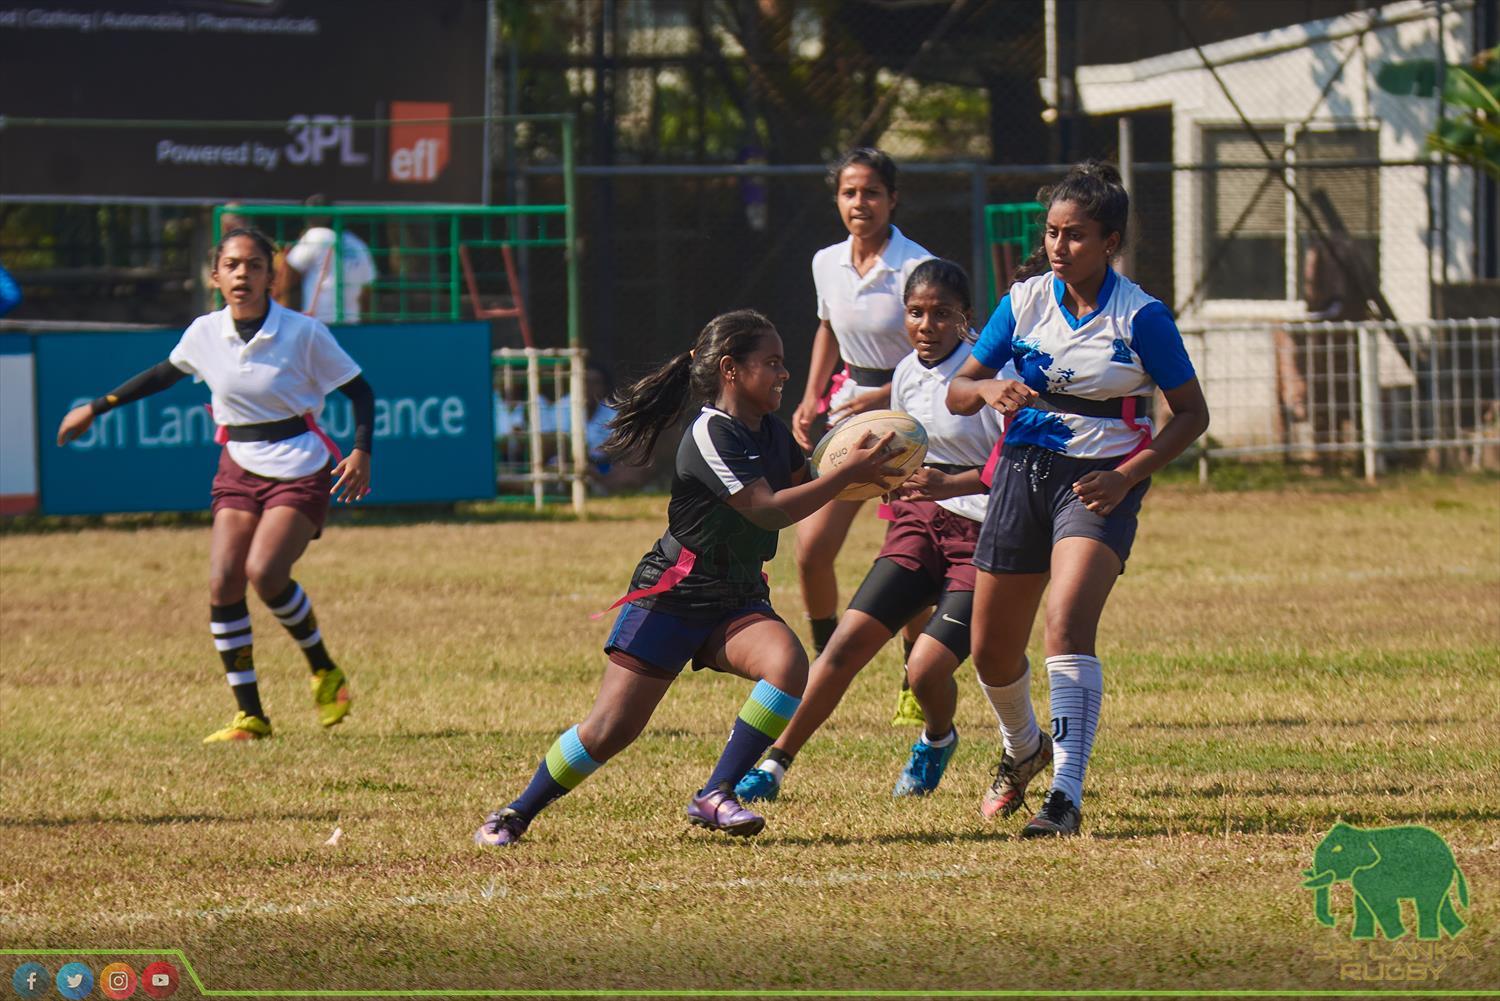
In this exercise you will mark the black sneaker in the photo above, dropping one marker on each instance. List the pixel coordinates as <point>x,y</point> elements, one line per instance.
<point>1058,818</point>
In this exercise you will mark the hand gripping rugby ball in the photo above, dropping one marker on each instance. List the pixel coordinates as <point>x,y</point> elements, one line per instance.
<point>908,448</point>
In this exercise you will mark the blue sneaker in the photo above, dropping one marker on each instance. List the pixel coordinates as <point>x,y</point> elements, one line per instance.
<point>758,784</point>
<point>924,769</point>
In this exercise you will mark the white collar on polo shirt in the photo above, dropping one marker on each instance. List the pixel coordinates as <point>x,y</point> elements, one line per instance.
<point>944,369</point>
<point>893,244</point>
<point>268,328</point>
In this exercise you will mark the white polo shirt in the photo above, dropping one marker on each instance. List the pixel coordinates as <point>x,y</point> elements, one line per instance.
<point>867,313</point>
<point>313,256</point>
<point>951,439</point>
<point>285,370</point>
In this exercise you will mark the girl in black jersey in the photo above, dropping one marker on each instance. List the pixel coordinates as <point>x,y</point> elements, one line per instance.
<point>269,369</point>
<point>700,595</point>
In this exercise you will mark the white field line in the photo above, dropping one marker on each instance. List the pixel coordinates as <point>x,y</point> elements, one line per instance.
<point>495,891</point>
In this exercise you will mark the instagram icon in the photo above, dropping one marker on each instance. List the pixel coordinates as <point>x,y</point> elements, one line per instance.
<point>117,980</point>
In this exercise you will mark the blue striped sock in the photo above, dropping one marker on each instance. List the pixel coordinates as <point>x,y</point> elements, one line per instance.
<point>567,763</point>
<point>762,718</point>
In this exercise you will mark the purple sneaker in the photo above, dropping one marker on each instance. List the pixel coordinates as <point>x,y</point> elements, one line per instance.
<point>718,810</point>
<point>501,829</point>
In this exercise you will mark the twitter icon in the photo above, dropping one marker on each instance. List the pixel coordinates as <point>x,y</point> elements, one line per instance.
<point>75,981</point>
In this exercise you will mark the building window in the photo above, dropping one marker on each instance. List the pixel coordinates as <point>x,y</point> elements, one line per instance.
<point>1245,226</point>
<point>1255,237</point>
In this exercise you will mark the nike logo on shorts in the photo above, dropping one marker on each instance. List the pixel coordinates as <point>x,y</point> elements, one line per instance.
<point>949,618</point>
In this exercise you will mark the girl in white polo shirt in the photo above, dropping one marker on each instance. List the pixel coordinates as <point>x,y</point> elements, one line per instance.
<point>269,369</point>
<point>1091,348</point>
<point>928,555</point>
<point>859,284</point>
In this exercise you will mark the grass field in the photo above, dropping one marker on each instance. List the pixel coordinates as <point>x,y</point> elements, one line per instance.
<point>1275,661</point>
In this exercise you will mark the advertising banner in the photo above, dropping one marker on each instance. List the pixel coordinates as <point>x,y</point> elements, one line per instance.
<point>317,73</point>
<point>433,437</point>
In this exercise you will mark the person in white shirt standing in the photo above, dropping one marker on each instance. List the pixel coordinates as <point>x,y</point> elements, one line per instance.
<point>859,283</point>
<point>315,264</point>
<point>269,370</point>
<point>928,555</point>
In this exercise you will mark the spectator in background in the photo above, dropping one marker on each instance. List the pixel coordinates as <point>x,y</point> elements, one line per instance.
<point>311,264</point>
<point>10,292</point>
<point>605,473</point>
<point>1313,369</point>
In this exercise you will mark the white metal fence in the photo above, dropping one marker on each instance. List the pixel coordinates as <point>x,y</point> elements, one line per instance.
<point>1304,391</point>
<point>541,417</point>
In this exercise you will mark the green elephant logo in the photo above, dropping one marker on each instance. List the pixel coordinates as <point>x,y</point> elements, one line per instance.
<point>1385,866</point>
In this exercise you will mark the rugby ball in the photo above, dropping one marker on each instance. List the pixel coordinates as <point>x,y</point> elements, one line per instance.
<point>908,448</point>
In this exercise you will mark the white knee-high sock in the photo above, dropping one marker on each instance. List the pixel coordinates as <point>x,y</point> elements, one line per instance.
<point>1077,692</point>
<point>1012,705</point>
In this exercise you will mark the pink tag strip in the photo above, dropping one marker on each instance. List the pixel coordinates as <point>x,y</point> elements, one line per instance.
<point>834,385</point>
<point>670,579</point>
<point>1127,414</point>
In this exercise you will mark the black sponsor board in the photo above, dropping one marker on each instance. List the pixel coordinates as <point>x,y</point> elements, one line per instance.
<point>308,77</point>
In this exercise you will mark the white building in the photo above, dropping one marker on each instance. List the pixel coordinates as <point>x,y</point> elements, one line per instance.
<point>1310,92</point>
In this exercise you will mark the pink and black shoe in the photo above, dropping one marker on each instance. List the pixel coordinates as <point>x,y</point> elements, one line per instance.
<point>718,810</point>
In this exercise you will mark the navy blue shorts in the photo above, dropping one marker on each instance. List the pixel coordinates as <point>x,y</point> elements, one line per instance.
<point>1033,507</point>
<point>659,644</point>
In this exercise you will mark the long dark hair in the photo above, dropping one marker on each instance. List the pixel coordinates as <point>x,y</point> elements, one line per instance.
<point>648,407</point>
<point>1094,186</point>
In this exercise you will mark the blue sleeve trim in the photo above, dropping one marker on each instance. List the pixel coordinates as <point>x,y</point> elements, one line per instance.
<point>994,346</point>
<point>1155,337</point>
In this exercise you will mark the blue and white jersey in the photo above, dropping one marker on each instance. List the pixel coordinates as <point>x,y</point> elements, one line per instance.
<point>1128,346</point>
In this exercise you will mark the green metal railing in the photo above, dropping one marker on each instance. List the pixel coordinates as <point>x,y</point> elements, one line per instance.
<point>1012,231</point>
<point>419,249</point>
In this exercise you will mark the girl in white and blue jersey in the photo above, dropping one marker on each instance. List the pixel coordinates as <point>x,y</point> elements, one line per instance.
<point>1091,348</point>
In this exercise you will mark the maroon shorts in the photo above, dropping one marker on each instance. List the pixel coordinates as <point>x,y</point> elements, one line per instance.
<point>925,537</point>
<point>241,490</point>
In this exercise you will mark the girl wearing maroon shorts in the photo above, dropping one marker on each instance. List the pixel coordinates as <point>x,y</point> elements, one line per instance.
<point>928,555</point>
<point>269,370</point>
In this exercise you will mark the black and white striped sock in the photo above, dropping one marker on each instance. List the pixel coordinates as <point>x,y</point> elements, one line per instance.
<point>293,609</point>
<point>1077,682</point>
<point>230,626</point>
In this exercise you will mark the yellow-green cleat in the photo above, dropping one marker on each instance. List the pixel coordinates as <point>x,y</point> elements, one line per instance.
<point>242,727</point>
<point>331,692</point>
<point>908,710</point>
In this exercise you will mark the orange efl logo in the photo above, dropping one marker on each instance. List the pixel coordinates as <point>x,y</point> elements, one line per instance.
<point>419,151</point>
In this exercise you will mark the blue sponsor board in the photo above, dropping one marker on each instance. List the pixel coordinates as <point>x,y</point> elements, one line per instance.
<point>433,417</point>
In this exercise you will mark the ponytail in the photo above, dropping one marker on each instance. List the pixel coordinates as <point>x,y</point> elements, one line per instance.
<point>648,407</point>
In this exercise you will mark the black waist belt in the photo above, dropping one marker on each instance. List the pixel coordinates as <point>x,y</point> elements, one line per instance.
<point>950,468</point>
<point>704,564</point>
<point>870,376</point>
<point>1061,403</point>
<point>269,431</point>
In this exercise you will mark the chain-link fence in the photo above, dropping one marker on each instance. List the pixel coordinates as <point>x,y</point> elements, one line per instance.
<point>1381,394</point>
<point>1274,154</point>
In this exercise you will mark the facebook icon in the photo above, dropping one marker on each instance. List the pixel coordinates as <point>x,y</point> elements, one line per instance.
<point>30,980</point>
